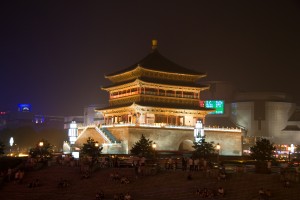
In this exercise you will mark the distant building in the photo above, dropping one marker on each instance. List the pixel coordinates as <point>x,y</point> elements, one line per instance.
<point>271,115</point>
<point>91,116</point>
<point>267,114</point>
<point>79,119</point>
<point>26,128</point>
<point>23,116</point>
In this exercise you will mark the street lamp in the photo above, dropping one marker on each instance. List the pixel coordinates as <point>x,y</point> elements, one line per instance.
<point>289,149</point>
<point>11,143</point>
<point>41,144</point>
<point>154,148</point>
<point>218,147</point>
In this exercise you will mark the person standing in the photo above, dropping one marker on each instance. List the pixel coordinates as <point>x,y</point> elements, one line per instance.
<point>9,173</point>
<point>191,164</point>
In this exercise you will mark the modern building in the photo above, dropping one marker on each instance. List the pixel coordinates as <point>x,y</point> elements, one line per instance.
<point>268,115</point>
<point>271,115</point>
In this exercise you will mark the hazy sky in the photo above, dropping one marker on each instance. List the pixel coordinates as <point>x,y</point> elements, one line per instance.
<point>54,54</point>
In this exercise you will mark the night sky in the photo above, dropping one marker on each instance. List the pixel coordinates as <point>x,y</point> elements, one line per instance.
<point>55,54</point>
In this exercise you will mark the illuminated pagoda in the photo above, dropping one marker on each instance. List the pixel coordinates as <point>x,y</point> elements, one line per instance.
<point>154,91</point>
<point>158,99</point>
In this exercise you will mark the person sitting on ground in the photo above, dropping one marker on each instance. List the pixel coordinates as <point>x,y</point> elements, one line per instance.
<point>124,180</point>
<point>222,176</point>
<point>100,195</point>
<point>116,176</point>
<point>85,175</point>
<point>261,192</point>
<point>112,176</point>
<point>127,196</point>
<point>121,196</point>
<point>63,183</point>
<point>268,193</point>
<point>204,193</point>
<point>34,183</point>
<point>221,191</point>
<point>287,183</point>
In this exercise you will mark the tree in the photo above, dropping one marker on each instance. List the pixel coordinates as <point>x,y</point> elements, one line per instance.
<point>91,150</point>
<point>42,150</point>
<point>143,147</point>
<point>55,136</point>
<point>262,151</point>
<point>203,149</point>
<point>2,147</point>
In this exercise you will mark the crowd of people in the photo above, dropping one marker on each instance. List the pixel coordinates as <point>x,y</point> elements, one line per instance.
<point>13,174</point>
<point>210,193</point>
<point>122,196</point>
<point>190,165</point>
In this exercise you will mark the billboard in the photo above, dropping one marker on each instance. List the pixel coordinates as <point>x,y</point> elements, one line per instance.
<point>24,107</point>
<point>218,105</point>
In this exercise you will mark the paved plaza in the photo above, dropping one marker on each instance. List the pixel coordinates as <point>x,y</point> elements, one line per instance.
<point>164,185</point>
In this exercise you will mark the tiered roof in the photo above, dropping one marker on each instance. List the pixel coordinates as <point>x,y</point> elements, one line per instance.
<point>156,61</point>
<point>156,70</point>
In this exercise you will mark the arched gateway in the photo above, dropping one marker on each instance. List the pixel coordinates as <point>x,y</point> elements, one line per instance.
<point>186,145</point>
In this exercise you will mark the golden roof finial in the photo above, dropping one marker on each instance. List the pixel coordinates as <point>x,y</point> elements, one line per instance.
<point>154,44</point>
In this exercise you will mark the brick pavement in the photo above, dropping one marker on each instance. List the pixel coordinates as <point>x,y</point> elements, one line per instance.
<point>171,185</point>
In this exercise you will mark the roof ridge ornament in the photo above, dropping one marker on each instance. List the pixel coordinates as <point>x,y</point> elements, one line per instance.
<point>154,44</point>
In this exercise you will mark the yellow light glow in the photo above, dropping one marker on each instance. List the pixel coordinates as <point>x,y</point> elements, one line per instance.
<point>154,145</point>
<point>41,144</point>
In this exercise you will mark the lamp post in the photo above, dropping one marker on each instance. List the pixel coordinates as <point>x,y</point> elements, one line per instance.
<point>11,143</point>
<point>218,147</point>
<point>154,148</point>
<point>95,153</point>
<point>289,158</point>
<point>41,144</point>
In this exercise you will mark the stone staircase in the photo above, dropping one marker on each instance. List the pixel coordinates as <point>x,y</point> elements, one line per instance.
<point>108,134</point>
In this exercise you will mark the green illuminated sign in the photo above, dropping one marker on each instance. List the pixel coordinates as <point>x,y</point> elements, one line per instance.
<point>218,105</point>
